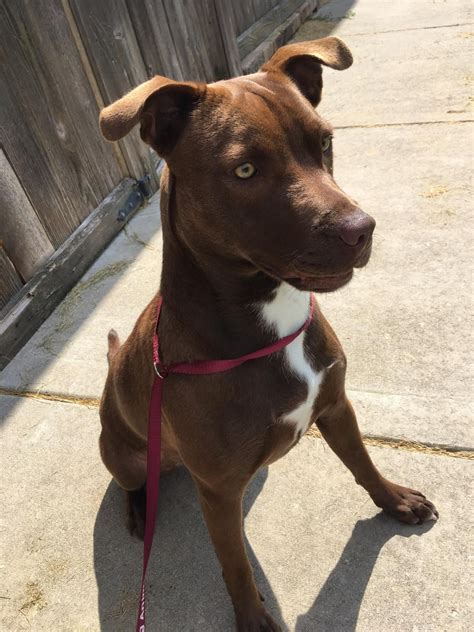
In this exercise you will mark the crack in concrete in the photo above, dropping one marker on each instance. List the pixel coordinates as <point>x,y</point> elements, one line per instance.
<point>453,398</point>
<point>401,124</point>
<point>412,28</point>
<point>89,402</point>
<point>407,445</point>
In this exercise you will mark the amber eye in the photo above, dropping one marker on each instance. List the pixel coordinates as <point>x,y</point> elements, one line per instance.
<point>326,143</point>
<point>245,170</point>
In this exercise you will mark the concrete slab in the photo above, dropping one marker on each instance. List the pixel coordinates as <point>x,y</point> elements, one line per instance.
<point>374,16</point>
<point>405,322</point>
<point>324,558</point>
<point>67,354</point>
<point>400,77</point>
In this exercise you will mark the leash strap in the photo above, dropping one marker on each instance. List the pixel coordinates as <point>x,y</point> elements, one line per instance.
<point>204,367</point>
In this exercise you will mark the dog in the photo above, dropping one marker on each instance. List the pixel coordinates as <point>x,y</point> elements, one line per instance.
<point>253,222</point>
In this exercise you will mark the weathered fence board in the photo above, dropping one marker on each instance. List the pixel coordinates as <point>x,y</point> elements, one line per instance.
<point>10,282</point>
<point>262,28</point>
<point>278,32</point>
<point>49,118</point>
<point>21,232</point>
<point>211,40</point>
<point>155,39</point>
<point>228,30</point>
<point>247,13</point>
<point>89,71</point>
<point>196,53</point>
<point>244,15</point>
<point>30,307</point>
<point>62,61</point>
<point>111,44</point>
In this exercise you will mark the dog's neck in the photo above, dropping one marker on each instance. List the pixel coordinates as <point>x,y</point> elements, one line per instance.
<point>211,298</point>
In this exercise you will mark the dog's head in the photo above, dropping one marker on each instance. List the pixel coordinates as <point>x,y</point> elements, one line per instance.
<point>252,160</point>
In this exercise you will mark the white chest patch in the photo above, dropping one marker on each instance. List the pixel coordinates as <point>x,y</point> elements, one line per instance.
<point>286,313</point>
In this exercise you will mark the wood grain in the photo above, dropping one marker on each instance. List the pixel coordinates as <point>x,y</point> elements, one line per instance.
<point>228,30</point>
<point>278,34</point>
<point>211,41</point>
<point>49,118</point>
<point>262,28</point>
<point>10,281</point>
<point>21,232</point>
<point>111,44</point>
<point>155,38</point>
<point>244,15</point>
<point>62,60</point>
<point>22,316</point>
<point>186,29</point>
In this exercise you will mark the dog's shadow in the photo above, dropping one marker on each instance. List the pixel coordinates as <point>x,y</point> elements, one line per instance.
<point>186,589</point>
<point>336,607</point>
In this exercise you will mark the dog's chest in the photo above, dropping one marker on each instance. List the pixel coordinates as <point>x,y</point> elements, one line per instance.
<point>286,313</point>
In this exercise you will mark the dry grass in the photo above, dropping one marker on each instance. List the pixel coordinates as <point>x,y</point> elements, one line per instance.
<point>407,446</point>
<point>34,597</point>
<point>90,402</point>
<point>66,312</point>
<point>381,442</point>
<point>435,191</point>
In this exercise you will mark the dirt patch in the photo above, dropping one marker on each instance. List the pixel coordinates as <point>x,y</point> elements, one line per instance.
<point>135,238</point>
<point>89,402</point>
<point>34,597</point>
<point>435,191</point>
<point>57,568</point>
<point>404,444</point>
<point>67,309</point>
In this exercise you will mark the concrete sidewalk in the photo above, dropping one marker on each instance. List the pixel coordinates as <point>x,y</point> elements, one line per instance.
<point>325,559</point>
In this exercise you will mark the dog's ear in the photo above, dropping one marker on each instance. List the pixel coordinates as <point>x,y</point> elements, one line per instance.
<point>160,105</point>
<point>302,63</point>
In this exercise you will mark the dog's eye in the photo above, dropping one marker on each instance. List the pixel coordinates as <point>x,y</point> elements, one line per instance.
<point>326,143</point>
<point>245,170</point>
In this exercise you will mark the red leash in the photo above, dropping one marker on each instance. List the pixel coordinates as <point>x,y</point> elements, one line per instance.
<point>204,367</point>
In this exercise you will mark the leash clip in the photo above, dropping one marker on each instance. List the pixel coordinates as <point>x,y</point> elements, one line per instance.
<point>161,370</point>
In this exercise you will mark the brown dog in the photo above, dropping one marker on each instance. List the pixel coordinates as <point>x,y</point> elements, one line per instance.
<point>252,222</point>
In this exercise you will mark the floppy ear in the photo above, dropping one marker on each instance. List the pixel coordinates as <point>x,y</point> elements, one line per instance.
<point>302,63</point>
<point>160,105</point>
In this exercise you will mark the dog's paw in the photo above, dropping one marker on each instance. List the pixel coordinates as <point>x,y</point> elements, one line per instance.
<point>136,511</point>
<point>256,621</point>
<point>405,504</point>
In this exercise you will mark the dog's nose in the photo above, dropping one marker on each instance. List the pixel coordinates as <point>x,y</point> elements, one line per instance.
<point>357,229</point>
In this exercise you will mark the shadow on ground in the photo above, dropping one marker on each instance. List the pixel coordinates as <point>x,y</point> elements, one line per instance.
<point>81,302</point>
<point>336,607</point>
<point>185,586</point>
<point>326,20</point>
<point>186,590</point>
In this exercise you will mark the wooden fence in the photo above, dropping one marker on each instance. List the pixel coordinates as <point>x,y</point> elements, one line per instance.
<point>62,61</point>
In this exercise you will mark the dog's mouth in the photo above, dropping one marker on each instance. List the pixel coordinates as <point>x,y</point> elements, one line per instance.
<point>326,282</point>
<point>310,280</point>
<point>319,283</point>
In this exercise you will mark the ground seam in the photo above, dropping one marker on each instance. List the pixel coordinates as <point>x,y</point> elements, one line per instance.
<point>408,445</point>
<point>89,402</point>
<point>407,30</point>
<point>372,440</point>
<point>410,123</point>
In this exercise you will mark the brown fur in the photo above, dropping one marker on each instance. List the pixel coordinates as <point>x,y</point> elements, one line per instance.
<point>228,243</point>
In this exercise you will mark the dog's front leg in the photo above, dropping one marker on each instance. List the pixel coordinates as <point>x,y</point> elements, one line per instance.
<point>222,510</point>
<point>339,427</point>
